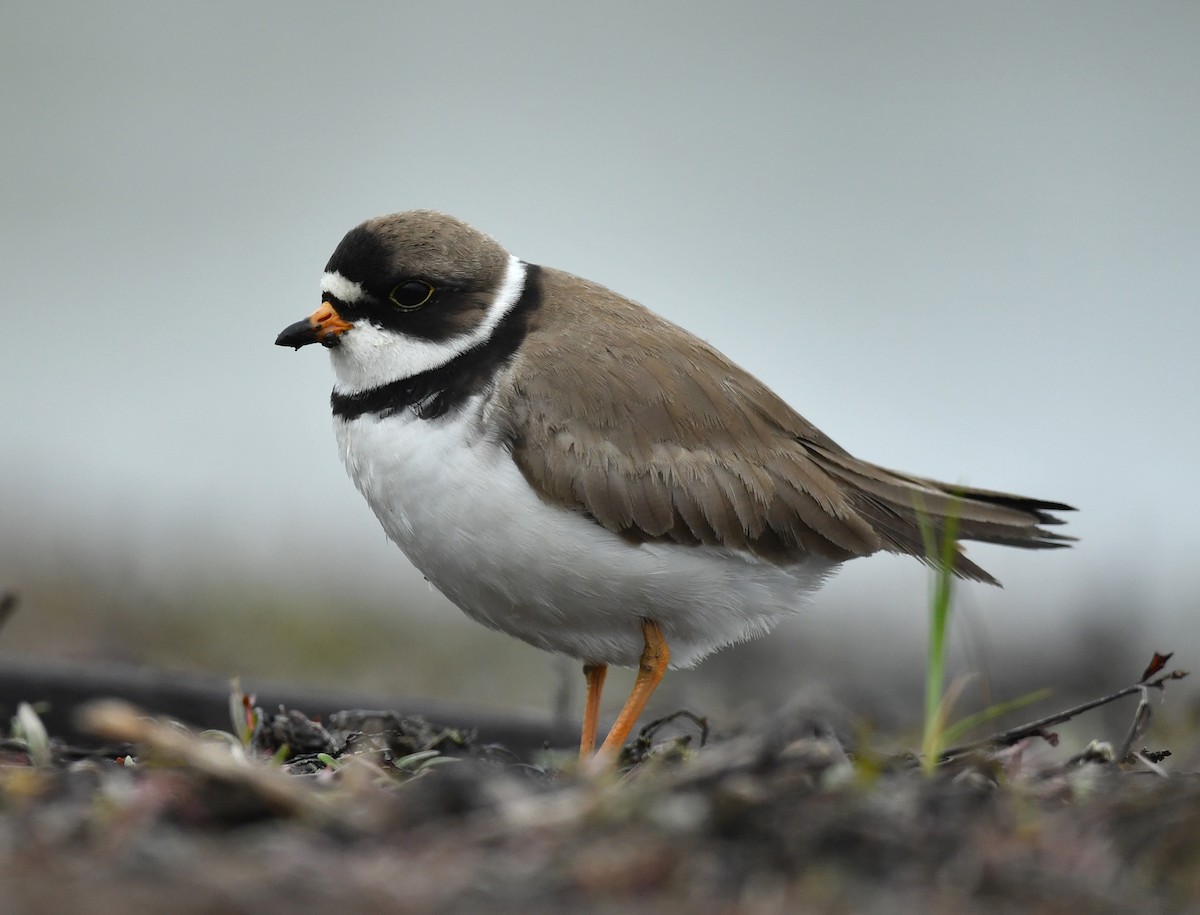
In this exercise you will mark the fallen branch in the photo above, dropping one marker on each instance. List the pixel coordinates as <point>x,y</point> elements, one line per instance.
<point>8,605</point>
<point>1039,728</point>
<point>281,793</point>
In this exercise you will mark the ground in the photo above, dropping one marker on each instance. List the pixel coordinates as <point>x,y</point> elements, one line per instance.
<point>376,812</point>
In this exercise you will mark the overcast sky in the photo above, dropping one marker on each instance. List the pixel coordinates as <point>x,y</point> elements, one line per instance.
<point>962,238</point>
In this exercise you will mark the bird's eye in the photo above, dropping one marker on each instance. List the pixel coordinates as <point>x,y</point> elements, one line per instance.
<point>410,295</point>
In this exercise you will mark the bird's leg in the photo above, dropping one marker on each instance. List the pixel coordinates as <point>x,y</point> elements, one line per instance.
<point>653,665</point>
<point>594,675</point>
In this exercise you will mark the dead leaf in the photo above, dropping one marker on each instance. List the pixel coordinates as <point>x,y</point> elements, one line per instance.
<point>1157,663</point>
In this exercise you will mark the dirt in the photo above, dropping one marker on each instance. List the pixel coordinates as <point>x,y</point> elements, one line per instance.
<point>377,812</point>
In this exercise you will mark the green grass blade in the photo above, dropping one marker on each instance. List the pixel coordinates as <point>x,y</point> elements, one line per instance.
<point>941,557</point>
<point>968,723</point>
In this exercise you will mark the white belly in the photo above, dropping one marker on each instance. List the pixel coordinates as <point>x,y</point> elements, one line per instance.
<point>459,508</point>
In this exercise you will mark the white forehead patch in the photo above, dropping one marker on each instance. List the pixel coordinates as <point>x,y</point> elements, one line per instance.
<point>369,356</point>
<point>336,285</point>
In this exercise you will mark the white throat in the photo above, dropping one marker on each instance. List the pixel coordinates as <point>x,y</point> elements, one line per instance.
<point>368,356</point>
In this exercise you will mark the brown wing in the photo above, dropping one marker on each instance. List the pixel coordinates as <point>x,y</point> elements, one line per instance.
<point>619,414</point>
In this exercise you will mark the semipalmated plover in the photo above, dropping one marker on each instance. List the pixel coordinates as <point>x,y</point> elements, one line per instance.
<point>570,468</point>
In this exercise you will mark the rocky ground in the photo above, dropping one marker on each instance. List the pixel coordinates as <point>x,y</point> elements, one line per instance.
<point>375,812</point>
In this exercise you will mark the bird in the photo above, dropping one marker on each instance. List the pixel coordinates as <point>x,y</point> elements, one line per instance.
<point>572,469</point>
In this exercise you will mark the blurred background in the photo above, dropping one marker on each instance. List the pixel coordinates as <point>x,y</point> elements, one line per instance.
<point>959,237</point>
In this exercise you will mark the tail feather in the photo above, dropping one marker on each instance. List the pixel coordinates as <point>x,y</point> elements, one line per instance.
<point>898,506</point>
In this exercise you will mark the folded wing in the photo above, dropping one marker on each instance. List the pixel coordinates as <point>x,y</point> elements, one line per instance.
<point>657,436</point>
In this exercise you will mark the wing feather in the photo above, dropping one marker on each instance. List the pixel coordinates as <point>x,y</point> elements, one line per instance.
<point>620,415</point>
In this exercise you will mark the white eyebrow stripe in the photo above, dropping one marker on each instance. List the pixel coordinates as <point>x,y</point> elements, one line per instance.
<point>340,288</point>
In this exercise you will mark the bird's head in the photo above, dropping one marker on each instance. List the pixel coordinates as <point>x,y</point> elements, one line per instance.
<point>407,293</point>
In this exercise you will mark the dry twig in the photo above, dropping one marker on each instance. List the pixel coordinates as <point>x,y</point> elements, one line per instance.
<point>1039,728</point>
<point>285,795</point>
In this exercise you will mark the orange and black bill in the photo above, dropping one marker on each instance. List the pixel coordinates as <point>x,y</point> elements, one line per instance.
<point>323,326</point>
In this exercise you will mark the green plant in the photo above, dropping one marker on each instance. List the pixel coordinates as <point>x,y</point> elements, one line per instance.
<point>939,700</point>
<point>27,726</point>
<point>940,556</point>
<point>416,763</point>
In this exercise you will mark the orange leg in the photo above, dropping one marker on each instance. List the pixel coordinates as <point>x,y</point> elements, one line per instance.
<point>653,665</point>
<point>594,674</point>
